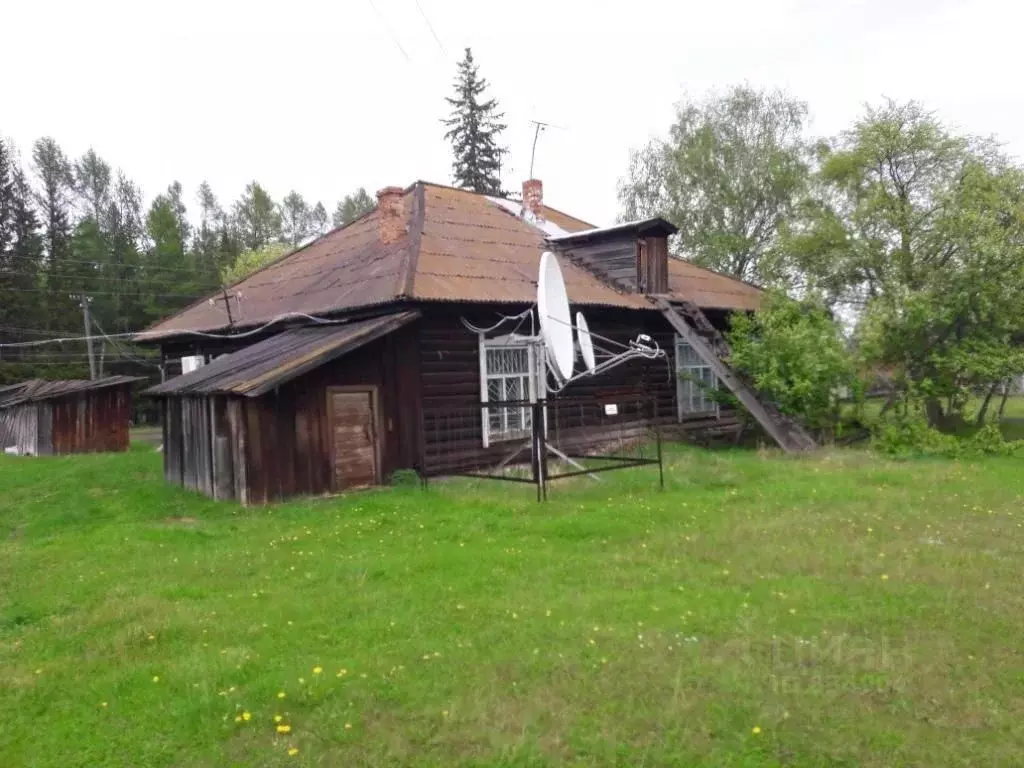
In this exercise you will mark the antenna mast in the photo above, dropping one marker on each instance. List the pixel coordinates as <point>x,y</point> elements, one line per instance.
<point>538,127</point>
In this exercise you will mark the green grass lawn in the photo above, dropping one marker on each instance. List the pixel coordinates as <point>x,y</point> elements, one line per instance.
<point>838,609</point>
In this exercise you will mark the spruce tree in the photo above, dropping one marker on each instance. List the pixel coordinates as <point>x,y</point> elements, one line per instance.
<point>473,130</point>
<point>6,199</point>
<point>54,174</point>
<point>21,254</point>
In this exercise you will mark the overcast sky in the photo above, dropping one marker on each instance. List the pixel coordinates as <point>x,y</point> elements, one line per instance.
<point>325,97</point>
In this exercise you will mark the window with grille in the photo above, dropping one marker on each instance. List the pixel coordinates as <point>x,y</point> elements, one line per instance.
<point>694,381</point>
<point>505,377</point>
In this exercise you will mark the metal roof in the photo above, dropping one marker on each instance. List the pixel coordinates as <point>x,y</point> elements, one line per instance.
<point>34,390</point>
<point>459,247</point>
<point>708,289</point>
<point>257,369</point>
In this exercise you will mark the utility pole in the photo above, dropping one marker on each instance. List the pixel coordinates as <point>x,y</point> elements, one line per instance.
<point>85,301</point>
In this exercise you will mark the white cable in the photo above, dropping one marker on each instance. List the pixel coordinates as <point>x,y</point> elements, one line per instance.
<point>504,319</point>
<point>143,334</point>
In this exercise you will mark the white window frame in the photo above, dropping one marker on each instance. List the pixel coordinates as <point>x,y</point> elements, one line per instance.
<point>694,370</point>
<point>499,342</point>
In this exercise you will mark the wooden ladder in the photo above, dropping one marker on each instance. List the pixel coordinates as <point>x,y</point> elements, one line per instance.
<point>712,348</point>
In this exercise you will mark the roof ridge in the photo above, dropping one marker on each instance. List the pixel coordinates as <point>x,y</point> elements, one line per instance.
<point>414,236</point>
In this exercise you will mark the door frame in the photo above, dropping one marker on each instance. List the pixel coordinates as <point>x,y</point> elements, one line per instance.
<point>374,392</point>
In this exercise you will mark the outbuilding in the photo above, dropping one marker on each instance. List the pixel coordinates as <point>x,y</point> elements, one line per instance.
<point>45,418</point>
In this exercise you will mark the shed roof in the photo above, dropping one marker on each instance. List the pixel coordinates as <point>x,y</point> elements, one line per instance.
<point>459,246</point>
<point>257,369</point>
<point>34,390</point>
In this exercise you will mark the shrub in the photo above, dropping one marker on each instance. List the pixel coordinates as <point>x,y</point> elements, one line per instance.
<point>794,353</point>
<point>404,478</point>
<point>909,434</point>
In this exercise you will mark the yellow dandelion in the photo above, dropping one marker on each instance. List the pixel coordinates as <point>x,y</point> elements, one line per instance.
<point>756,730</point>
<point>317,670</point>
<point>885,577</point>
<point>247,716</point>
<point>293,751</point>
<point>284,728</point>
<point>152,637</point>
<point>103,703</point>
<point>348,726</point>
<point>278,718</point>
<point>156,678</point>
<point>281,694</point>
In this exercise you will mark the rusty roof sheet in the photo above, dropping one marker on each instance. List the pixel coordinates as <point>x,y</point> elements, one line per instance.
<point>710,290</point>
<point>474,250</point>
<point>34,390</point>
<point>257,369</point>
<point>459,247</point>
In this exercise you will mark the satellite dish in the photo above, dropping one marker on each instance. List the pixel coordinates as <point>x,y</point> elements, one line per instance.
<point>586,342</point>
<point>555,320</point>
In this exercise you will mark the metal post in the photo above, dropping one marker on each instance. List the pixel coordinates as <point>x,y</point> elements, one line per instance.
<point>657,438</point>
<point>88,333</point>
<point>542,453</point>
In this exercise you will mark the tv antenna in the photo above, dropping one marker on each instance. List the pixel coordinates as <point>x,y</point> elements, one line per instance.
<point>539,126</point>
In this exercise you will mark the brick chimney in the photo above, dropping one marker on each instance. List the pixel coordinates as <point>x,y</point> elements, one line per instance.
<point>533,199</point>
<point>391,210</point>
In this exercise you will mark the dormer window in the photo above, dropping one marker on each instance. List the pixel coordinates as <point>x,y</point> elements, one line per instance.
<point>632,256</point>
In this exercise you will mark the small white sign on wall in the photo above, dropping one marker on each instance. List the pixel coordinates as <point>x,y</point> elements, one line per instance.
<point>611,409</point>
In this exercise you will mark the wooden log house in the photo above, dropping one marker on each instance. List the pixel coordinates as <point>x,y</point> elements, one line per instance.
<point>369,364</point>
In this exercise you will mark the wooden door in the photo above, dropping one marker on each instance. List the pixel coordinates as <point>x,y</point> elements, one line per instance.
<point>354,435</point>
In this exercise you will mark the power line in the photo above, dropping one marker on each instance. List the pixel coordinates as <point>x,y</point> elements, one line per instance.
<point>384,24</point>
<point>431,28</point>
<point>118,346</point>
<point>193,297</point>
<point>190,331</point>
<point>113,265</point>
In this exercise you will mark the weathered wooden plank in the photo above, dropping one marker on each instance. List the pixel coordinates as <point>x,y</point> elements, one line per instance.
<point>239,448</point>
